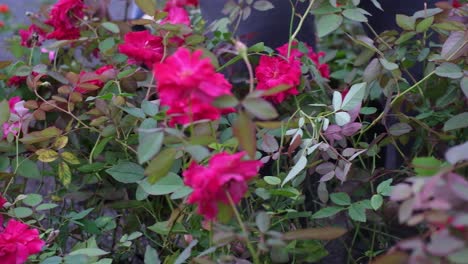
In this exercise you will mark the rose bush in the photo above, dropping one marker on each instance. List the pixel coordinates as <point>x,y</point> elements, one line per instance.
<point>139,147</point>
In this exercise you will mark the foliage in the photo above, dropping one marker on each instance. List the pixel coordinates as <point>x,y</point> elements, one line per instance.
<point>134,147</point>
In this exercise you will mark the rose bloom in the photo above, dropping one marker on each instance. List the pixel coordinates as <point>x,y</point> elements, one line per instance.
<point>180,3</point>
<point>324,69</point>
<point>189,84</point>
<point>16,81</point>
<point>17,242</point>
<point>65,17</point>
<point>95,80</point>
<point>225,173</point>
<point>2,201</point>
<point>274,71</point>
<point>4,9</point>
<point>33,36</point>
<point>177,15</point>
<point>142,47</point>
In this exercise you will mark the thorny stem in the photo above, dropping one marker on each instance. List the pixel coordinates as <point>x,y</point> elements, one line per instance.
<point>251,249</point>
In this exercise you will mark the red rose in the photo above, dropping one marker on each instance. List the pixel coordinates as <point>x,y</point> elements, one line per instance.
<point>179,3</point>
<point>142,47</point>
<point>18,242</point>
<point>33,36</point>
<point>65,17</point>
<point>4,9</point>
<point>189,84</point>
<point>225,173</point>
<point>274,71</point>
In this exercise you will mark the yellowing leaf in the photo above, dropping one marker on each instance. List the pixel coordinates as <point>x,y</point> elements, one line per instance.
<point>64,174</point>
<point>60,142</point>
<point>70,158</point>
<point>46,155</point>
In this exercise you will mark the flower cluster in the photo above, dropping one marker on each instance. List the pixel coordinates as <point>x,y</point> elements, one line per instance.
<point>226,174</point>
<point>295,53</point>
<point>65,17</point>
<point>17,242</point>
<point>188,84</point>
<point>19,118</point>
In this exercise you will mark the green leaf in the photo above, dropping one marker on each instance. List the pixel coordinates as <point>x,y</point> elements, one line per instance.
<point>106,44</point>
<point>449,70</point>
<point>185,255</point>
<point>160,165</point>
<point>114,28</point>
<point>272,180</point>
<point>27,169</point>
<point>405,22</point>
<point>355,14</point>
<point>385,188</point>
<point>354,97</point>
<point>263,221</point>
<point>399,129</point>
<point>149,108</point>
<point>357,212</point>
<point>327,24</point>
<point>4,112</point>
<point>457,122</point>
<point>244,130</point>
<point>376,201</point>
<point>226,101</point>
<point>32,199</point>
<point>149,143</point>
<point>405,37</point>
<point>260,108</point>
<point>340,198</point>
<point>23,71</point>
<point>148,6</point>
<point>127,172</point>
<point>90,252</point>
<point>425,24</point>
<point>136,112</point>
<point>169,184</point>
<point>342,118</point>
<point>151,256</point>
<point>22,212</point>
<point>426,166</point>
<point>327,212</point>
<point>388,65</point>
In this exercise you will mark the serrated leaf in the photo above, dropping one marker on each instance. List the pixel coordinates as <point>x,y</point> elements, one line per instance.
<point>272,180</point>
<point>357,212</point>
<point>126,172</point>
<point>27,169</point>
<point>149,145</point>
<point>340,198</point>
<point>41,136</point>
<point>46,155</point>
<point>388,65</point>
<point>263,221</point>
<point>327,24</point>
<point>425,24</point>
<point>90,252</point>
<point>46,206</point>
<point>64,174</point>
<point>32,199</point>
<point>151,256</point>
<point>70,158</point>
